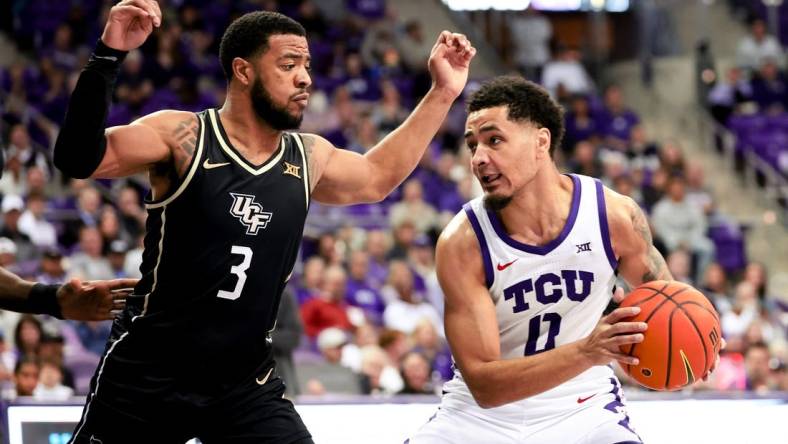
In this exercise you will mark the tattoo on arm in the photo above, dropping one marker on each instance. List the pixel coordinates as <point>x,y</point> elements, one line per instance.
<point>656,266</point>
<point>185,136</point>
<point>309,142</point>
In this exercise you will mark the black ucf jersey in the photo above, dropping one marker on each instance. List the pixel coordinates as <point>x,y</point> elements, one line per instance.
<point>218,252</point>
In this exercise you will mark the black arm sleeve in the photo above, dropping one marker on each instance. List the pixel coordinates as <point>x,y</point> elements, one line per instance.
<point>81,144</point>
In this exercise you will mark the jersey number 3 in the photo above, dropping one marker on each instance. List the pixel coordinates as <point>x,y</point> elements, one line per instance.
<point>238,270</point>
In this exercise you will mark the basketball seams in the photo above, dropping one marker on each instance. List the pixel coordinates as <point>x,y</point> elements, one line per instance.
<point>697,330</point>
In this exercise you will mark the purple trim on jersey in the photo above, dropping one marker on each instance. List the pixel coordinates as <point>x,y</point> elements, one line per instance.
<point>602,209</point>
<point>614,405</point>
<point>550,246</point>
<point>488,269</point>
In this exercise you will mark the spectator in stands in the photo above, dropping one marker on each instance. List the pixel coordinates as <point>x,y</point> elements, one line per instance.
<point>377,247</point>
<point>365,334</point>
<point>755,273</point>
<point>404,234</point>
<point>421,258</point>
<point>32,223</point>
<point>20,147</point>
<point>680,265</point>
<point>413,47</point>
<point>328,307</point>
<point>93,335</point>
<point>387,113</point>
<point>653,190</point>
<point>680,224</point>
<point>565,76</point>
<point>134,86</point>
<point>414,208</point>
<point>615,121</point>
<point>531,32</point>
<point>7,361</point>
<point>110,227</point>
<point>286,338</point>
<point>26,374</point>
<point>643,153</point>
<point>426,341</point>
<point>116,256</point>
<point>726,95</point>
<point>394,343</point>
<point>407,309</point>
<point>379,376</point>
<point>585,160</point>
<point>27,336</point>
<point>580,125</point>
<point>360,293</point>
<point>50,383</point>
<point>698,193</point>
<point>312,279</point>
<point>743,312</point>
<point>364,136</point>
<point>754,49</point>
<point>88,263</point>
<point>89,205</point>
<point>12,207</point>
<point>132,215</point>
<point>715,287</point>
<point>415,369</point>
<point>331,376</point>
<point>756,363</point>
<point>770,89</point>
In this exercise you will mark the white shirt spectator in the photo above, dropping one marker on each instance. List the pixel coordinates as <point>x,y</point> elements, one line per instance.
<point>41,232</point>
<point>531,33</point>
<point>759,47</point>
<point>567,70</point>
<point>405,316</point>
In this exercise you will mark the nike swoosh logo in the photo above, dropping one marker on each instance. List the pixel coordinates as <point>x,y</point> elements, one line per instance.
<point>687,368</point>
<point>264,380</point>
<point>502,267</point>
<point>582,400</point>
<point>208,165</point>
<point>110,58</point>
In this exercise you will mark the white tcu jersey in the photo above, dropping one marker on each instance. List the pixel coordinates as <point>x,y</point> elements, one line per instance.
<point>547,296</point>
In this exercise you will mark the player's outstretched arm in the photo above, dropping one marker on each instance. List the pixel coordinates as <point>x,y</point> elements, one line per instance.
<point>83,148</point>
<point>344,177</point>
<point>88,301</point>
<point>638,260</point>
<point>472,331</point>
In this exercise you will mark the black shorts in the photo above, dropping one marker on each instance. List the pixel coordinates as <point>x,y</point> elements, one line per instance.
<point>130,402</point>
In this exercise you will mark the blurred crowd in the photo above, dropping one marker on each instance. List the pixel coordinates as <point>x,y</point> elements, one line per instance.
<point>363,311</point>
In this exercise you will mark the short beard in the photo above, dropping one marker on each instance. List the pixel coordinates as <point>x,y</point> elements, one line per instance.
<point>269,112</point>
<point>496,203</point>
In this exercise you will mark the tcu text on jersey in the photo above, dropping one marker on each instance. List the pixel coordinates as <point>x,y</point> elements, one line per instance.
<point>249,212</point>
<point>550,288</point>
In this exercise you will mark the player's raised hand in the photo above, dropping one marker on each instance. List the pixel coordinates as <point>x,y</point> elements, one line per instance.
<point>613,331</point>
<point>449,62</point>
<point>130,23</point>
<point>95,300</point>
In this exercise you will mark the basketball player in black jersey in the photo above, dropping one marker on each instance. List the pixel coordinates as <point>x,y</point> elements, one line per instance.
<point>191,354</point>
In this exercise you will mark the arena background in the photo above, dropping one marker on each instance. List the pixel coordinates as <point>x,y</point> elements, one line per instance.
<point>656,92</point>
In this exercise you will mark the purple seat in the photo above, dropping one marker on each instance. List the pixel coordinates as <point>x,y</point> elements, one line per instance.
<point>730,246</point>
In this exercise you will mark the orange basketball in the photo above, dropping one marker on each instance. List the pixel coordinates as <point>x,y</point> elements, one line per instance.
<point>683,336</point>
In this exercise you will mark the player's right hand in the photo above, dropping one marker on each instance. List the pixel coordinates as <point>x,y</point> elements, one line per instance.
<point>602,345</point>
<point>130,23</point>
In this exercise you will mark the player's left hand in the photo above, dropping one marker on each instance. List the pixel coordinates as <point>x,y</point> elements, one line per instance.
<point>93,300</point>
<point>716,360</point>
<point>449,62</point>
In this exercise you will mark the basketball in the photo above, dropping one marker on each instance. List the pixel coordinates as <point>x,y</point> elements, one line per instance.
<point>683,336</point>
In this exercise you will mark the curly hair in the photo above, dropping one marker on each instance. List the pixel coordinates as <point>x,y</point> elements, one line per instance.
<point>247,36</point>
<point>525,101</point>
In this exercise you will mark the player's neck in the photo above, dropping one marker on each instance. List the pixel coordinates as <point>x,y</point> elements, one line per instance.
<point>538,213</point>
<point>248,132</point>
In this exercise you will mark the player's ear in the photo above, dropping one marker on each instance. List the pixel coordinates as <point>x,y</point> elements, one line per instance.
<point>243,71</point>
<point>542,142</point>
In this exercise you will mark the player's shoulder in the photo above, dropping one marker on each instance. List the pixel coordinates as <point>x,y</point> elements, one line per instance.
<point>458,236</point>
<point>620,210</point>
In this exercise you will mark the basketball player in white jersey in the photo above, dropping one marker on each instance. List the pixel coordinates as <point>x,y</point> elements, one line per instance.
<point>527,271</point>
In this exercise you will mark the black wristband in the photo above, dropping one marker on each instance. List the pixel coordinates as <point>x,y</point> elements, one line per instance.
<point>43,300</point>
<point>105,54</point>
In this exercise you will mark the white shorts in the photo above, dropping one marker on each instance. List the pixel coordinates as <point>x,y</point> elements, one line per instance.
<point>459,420</point>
